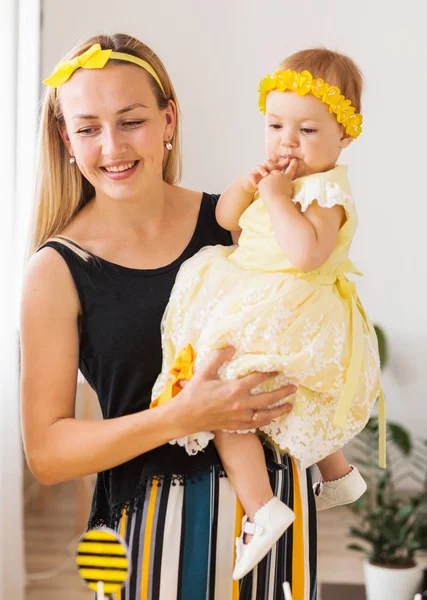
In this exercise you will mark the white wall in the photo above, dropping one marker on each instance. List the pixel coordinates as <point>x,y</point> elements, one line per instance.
<point>10,467</point>
<point>20,35</point>
<point>216,53</point>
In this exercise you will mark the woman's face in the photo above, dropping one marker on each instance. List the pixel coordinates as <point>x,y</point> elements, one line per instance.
<point>115,129</point>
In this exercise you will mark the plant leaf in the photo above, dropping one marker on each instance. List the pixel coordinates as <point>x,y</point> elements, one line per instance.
<point>382,346</point>
<point>400,437</point>
<point>357,548</point>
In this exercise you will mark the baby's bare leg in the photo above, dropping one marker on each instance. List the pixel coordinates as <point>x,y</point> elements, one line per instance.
<point>334,466</point>
<point>244,462</point>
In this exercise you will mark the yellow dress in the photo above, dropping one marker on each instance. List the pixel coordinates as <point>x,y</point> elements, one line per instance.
<point>310,327</point>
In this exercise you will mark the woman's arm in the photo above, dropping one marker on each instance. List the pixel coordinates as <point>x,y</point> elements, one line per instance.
<point>60,447</point>
<point>307,239</point>
<point>239,195</point>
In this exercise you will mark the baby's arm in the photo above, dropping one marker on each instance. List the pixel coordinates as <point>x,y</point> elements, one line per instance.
<point>239,195</point>
<point>307,239</point>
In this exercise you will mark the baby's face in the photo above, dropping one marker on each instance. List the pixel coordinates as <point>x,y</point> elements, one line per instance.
<point>302,127</point>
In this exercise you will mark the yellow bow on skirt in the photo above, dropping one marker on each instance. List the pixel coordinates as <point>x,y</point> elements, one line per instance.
<point>182,370</point>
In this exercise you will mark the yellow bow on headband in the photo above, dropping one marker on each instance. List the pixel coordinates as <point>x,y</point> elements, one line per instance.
<point>96,58</point>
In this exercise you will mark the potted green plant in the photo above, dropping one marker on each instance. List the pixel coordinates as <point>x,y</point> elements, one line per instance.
<point>392,523</point>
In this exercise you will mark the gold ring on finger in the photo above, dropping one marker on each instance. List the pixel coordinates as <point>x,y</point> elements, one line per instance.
<point>255,415</point>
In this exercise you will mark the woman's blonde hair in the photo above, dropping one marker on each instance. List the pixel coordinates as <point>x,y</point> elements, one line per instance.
<point>333,67</point>
<point>61,190</point>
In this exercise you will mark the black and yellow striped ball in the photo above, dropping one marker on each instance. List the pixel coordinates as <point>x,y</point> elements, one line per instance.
<point>103,556</point>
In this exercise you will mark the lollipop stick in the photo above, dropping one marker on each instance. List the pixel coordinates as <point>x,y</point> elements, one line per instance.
<point>100,591</point>
<point>287,590</point>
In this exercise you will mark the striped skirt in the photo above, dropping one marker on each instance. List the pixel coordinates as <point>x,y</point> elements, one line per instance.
<point>182,541</point>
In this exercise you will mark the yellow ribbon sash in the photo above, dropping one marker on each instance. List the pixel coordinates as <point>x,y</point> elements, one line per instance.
<point>347,291</point>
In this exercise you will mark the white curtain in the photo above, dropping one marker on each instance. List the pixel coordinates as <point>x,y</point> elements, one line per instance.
<point>20,35</point>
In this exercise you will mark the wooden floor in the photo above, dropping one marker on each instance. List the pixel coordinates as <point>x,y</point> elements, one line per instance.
<point>52,526</point>
<point>54,520</point>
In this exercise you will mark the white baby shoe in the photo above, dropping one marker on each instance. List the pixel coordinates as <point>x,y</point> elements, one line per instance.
<point>270,522</point>
<point>345,490</point>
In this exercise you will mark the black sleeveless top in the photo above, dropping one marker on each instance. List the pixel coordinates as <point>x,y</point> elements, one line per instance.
<point>120,357</point>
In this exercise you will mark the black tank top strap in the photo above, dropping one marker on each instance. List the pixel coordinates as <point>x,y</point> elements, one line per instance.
<point>78,266</point>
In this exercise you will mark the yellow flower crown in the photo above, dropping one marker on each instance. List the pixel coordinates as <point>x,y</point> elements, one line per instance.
<point>304,83</point>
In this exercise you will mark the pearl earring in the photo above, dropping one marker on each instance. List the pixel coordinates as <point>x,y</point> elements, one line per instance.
<point>72,160</point>
<point>168,146</point>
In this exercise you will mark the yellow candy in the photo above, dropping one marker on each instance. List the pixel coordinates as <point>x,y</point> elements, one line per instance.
<point>103,560</point>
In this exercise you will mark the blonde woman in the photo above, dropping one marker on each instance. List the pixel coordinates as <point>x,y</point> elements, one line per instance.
<point>111,231</point>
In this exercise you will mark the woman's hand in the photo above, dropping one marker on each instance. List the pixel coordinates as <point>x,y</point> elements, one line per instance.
<point>209,403</point>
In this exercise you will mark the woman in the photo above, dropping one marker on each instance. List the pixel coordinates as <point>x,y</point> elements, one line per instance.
<point>111,230</point>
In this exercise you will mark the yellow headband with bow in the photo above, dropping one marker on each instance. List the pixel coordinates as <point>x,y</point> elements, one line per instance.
<point>95,58</point>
